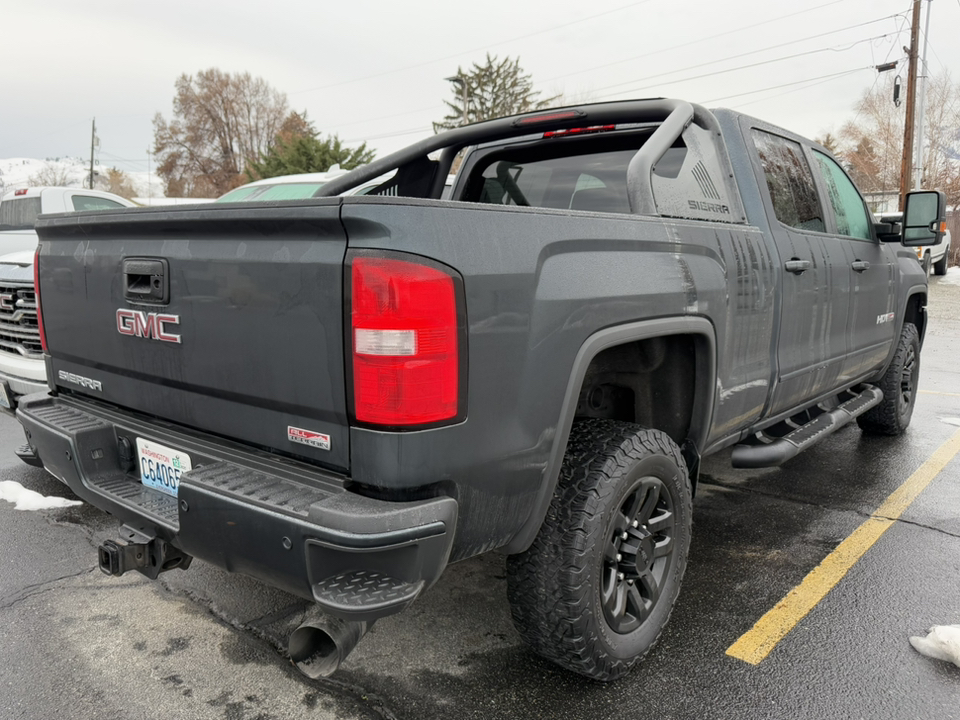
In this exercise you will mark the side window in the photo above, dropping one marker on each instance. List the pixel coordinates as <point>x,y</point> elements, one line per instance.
<point>83,203</point>
<point>848,207</point>
<point>790,182</point>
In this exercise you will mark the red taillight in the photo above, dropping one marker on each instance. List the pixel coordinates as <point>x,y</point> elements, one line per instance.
<point>36,292</point>
<point>405,342</point>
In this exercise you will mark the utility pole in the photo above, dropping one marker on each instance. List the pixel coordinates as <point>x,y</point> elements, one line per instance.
<point>93,140</point>
<point>918,183</point>
<point>462,81</point>
<point>906,163</point>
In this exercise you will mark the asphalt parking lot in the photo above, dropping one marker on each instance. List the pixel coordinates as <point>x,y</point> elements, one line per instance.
<point>205,644</point>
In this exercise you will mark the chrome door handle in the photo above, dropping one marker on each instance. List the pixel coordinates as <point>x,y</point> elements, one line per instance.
<point>797,267</point>
<point>860,265</point>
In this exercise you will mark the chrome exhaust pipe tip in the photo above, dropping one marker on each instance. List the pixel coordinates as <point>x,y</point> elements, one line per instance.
<point>322,642</point>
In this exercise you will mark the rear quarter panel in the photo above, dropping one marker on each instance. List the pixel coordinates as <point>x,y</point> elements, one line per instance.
<point>538,284</point>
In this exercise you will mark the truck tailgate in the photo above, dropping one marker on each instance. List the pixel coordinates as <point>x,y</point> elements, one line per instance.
<point>228,319</point>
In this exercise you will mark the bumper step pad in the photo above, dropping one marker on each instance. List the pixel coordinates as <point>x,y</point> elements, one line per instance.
<point>365,591</point>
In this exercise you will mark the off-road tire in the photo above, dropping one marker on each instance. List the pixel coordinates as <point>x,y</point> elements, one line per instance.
<point>940,266</point>
<point>565,591</point>
<point>899,385</point>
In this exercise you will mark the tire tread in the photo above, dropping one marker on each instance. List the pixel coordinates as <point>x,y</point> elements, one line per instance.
<point>549,584</point>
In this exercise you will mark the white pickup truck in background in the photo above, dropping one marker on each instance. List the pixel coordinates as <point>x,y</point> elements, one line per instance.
<point>21,357</point>
<point>936,256</point>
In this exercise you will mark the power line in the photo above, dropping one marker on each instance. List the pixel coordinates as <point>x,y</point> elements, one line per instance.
<point>797,82</point>
<point>486,46</point>
<point>734,69</point>
<point>885,60</point>
<point>751,92</point>
<point>800,89</point>
<point>729,32</point>
<point>692,42</point>
<point>393,134</point>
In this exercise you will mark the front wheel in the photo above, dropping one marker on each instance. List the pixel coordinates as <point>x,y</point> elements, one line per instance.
<point>595,590</point>
<point>940,266</point>
<point>899,385</point>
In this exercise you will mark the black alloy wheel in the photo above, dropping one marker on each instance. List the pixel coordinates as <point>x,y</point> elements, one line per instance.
<point>899,385</point>
<point>597,586</point>
<point>638,555</point>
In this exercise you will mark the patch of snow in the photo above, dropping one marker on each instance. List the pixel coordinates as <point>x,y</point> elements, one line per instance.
<point>951,421</point>
<point>16,173</point>
<point>25,499</point>
<point>941,643</point>
<point>952,277</point>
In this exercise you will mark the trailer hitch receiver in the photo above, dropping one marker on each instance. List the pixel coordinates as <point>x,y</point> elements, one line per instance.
<point>137,551</point>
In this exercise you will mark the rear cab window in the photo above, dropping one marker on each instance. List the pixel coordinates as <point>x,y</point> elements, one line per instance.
<point>590,173</point>
<point>19,213</point>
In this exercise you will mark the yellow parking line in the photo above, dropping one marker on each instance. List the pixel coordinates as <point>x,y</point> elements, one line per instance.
<point>934,392</point>
<point>759,641</point>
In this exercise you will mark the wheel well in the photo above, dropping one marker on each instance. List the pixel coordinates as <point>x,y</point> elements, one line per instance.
<point>914,311</point>
<point>651,382</point>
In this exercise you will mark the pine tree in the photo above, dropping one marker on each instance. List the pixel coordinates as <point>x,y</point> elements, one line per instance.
<point>495,89</point>
<point>298,149</point>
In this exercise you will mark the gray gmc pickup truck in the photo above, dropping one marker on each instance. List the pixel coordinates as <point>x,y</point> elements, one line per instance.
<point>340,396</point>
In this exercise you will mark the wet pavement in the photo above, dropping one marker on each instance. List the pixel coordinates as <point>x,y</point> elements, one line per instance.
<point>205,644</point>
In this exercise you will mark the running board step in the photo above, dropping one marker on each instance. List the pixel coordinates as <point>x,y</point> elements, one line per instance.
<point>782,449</point>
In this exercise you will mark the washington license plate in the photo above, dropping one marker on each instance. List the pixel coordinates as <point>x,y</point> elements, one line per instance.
<point>161,467</point>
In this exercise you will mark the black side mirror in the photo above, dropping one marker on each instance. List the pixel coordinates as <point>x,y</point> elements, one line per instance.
<point>924,218</point>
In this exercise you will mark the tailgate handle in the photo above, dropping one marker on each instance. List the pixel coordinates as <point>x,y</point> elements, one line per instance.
<point>146,280</point>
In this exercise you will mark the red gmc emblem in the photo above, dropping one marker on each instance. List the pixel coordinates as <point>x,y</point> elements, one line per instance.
<point>147,325</point>
<point>8,301</point>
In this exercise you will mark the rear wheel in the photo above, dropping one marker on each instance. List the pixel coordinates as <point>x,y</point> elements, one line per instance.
<point>594,591</point>
<point>899,385</point>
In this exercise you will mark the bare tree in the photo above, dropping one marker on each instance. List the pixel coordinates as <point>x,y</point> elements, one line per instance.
<point>221,122</point>
<point>117,182</point>
<point>870,145</point>
<point>52,176</point>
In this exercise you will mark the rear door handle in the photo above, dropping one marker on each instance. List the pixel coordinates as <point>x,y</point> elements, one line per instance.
<point>860,265</point>
<point>797,267</point>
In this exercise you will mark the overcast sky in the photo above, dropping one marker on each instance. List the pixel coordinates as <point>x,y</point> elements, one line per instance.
<point>374,70</point>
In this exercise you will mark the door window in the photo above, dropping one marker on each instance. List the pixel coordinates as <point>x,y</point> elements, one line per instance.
<point>84,203</point>
<point>790,182</point>
<point>848,207</point>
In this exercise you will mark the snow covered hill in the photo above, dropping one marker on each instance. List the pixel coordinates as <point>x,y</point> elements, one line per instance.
<point>69,172</point>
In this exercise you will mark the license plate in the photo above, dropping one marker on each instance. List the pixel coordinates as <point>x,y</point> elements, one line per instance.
<point>6,400</point>
<point>161,467</point>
